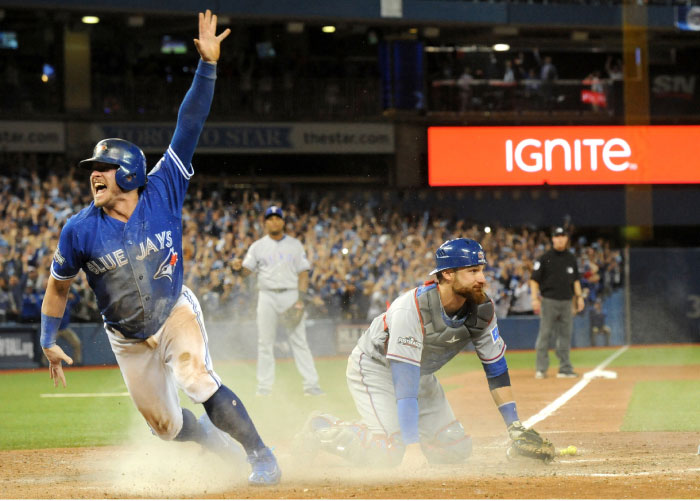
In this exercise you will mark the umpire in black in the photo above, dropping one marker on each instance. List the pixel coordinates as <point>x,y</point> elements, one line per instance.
<point>555,278</point>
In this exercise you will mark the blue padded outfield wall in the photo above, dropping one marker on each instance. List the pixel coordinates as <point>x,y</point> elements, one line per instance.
<point>19,348</point>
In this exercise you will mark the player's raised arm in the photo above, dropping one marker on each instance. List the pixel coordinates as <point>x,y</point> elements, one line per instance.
<point>51,314</point>
<point>195,107</point>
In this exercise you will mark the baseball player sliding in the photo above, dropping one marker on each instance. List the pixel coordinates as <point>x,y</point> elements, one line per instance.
<point>391,372</point>
<point>283,278</point>
<point>129,243</point>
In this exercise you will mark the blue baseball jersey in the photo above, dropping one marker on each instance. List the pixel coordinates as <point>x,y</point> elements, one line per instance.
<point>135,268</point>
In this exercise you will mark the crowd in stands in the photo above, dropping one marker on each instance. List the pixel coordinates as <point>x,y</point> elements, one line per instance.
<point>462,80</point>
<point>364,248</point>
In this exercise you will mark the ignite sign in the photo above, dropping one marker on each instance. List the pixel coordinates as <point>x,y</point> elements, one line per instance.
<point>513,156</point>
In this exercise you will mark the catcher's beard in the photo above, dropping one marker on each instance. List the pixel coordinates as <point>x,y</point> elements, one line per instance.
<point>474,294</point>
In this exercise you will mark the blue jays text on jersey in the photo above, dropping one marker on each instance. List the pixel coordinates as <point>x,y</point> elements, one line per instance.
<point>133,267</point>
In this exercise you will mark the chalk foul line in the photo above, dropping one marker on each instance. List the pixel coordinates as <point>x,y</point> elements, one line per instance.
<point>574,390</point>
<point>83,395</point>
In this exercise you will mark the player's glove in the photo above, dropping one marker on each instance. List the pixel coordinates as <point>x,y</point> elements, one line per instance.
<point>528,443</point>
<point>291,317</point>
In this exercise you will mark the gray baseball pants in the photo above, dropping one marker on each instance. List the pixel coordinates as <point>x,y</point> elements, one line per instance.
<point>556,322</point>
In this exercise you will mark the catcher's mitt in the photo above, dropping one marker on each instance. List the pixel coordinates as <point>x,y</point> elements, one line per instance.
<point>528,443</point>
<point>291,317</point>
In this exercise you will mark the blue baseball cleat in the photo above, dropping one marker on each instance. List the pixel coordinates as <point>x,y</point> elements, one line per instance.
<point>265,468</point>
<point>220,442</point>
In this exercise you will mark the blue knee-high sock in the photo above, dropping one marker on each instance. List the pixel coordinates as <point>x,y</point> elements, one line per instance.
<point>191,429</point>
<point>228,413</point>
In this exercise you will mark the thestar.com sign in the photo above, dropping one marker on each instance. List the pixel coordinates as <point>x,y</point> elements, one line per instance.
<point>502,156</point>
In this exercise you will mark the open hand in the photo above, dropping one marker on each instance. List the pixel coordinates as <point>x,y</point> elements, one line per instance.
<point>208,43</point>
<point>55,355</point>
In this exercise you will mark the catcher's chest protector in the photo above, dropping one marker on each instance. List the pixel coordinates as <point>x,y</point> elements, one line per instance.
<point>442,342</point>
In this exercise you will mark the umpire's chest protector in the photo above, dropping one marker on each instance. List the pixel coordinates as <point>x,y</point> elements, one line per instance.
<point>442,341</point>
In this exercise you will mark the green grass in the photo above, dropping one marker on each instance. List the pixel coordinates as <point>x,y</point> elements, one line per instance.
<point>636,356</point>
<point>664,406</point>
<point>642,356</point>
<point>28,421</point>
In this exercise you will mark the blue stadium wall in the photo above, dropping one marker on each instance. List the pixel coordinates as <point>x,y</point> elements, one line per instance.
<point>19,347</point>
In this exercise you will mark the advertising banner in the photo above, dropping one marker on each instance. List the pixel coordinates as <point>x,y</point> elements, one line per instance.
<point>571,155</point>
<point>39,137</point>
<point>593,97</point>
<point>264,138</point>
<point>688,17</point>
<point>17,347</point>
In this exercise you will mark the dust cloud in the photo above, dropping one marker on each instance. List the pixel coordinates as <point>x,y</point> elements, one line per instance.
<point>148,467</point>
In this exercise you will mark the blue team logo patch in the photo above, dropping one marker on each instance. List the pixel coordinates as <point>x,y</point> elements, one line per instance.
<point>166,268</point>
<point>495,334</point>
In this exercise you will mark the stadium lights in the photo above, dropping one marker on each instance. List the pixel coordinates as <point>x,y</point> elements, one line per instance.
<point>328,29</point>
<point>501,47</point>
<point>90,19</point>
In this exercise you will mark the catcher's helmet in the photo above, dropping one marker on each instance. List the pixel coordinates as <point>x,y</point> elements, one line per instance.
<point>131,173</point>
<point>458,253</point>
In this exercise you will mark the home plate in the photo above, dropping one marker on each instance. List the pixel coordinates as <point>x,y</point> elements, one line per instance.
<point>600,373</point>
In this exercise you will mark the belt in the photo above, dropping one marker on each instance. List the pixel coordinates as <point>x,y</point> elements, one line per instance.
<point>279,290</point>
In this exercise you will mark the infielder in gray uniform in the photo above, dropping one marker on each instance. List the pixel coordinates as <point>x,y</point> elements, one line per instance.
<point>283,278</point>
<point>391,371</point>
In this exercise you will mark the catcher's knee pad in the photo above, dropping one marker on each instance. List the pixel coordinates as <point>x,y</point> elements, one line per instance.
<point>449,445</point>
<point>355,443</point>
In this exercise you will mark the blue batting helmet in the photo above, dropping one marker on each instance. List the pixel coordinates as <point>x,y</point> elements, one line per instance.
<point>458,253</point>
<point>131,161</point>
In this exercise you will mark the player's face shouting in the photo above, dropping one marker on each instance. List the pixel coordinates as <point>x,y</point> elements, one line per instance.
<point>104,186</point>
<point>470,283</point>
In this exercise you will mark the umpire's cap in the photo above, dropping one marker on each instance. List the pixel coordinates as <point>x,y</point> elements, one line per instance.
<point>458,253</point>
<point>274,210</point>
<point>559,231</point>
<point>131,161</point>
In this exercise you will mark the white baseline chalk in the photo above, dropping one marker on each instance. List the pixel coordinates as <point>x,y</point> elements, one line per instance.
<point>571,392</point>
<point>82,395</point>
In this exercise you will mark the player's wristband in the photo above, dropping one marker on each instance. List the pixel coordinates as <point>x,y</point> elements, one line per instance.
<point>207,69</point>
<point>49,330</point>
<point>509,413</point>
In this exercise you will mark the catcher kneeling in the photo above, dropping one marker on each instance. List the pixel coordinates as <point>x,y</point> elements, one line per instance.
<point>391,372</point>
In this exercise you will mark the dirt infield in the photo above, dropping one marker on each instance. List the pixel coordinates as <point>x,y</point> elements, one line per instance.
<point>609,463</point>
